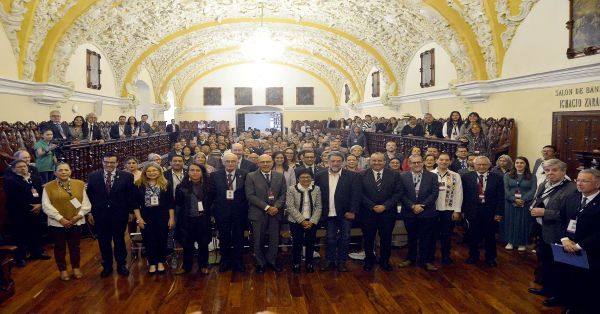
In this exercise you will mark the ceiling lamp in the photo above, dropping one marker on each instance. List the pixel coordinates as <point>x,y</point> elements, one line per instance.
<point>261,46</point>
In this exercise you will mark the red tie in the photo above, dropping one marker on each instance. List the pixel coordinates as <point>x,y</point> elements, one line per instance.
<point>108,182</point>
<point>480,184</point>
<point>229,181</point>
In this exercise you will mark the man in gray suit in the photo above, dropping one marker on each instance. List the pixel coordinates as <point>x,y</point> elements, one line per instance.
<point>265,191</point>
<point>549,199</point>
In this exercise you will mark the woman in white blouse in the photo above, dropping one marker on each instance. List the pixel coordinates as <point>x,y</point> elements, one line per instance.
<point>65,203</point>
<point>448,203</point>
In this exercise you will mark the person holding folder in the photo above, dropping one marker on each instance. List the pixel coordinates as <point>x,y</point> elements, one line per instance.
<point>581,224</point>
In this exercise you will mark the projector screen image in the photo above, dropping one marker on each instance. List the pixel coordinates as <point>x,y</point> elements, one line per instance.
<point>259,121</point>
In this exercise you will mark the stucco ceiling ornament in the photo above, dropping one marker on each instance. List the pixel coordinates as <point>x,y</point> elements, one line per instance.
<point>512,22</point>
<point>12,22</point>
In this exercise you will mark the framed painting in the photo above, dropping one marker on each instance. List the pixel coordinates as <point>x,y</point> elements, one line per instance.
<point>305,96</point>
<point>93,70</point>
<point>212,96</point>
<point>274,96</point>
<point>584,27</point>
<point>427,68</point>
<point>243,96</point>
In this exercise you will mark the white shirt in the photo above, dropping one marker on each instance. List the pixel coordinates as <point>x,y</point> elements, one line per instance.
<point>121,129</point>
<point>454,135</point>
<point>54,216</point>
<point>375,174</point>
<point>334,178</point>
<point>451,185</point>
<point>177,178</point>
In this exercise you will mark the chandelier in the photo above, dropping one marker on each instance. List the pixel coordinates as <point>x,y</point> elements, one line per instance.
<point>261,46</point>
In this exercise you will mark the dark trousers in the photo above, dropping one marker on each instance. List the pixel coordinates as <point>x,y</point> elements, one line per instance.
<point>445,225</point>
<point>578,288</point>
<point>482,228</point>
<point>384,225</point>
<point>263,228</point>
<point>155,234</point>
<point>231,239</point>
<point>63,237</point>
<point>300,237</point>
<point>421,239</point>
<point>198,231</point>
<point>110,232</point>
<point>27,233</point>
<point>338,239</point>
<point>549,269</point>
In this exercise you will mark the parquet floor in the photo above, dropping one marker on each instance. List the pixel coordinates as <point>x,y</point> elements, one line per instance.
<point>458,288</point>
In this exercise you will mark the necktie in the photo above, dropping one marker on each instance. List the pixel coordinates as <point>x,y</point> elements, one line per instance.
<point>583,203</point>
<point>378,181</point>
<point>268,178</point>
<point>229,181</point>
<point>311,170</point>
<point>108,182</point>
<point>60,129</point>
<point>480,184</point>
<point>463,164</point>
<point>91,132</point>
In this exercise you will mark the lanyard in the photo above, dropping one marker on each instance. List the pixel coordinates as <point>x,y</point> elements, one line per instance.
<point>67,188</point>
<point>442,177</point>
<point>155,191</point>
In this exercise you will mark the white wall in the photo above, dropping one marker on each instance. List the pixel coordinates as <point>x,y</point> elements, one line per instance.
<point>541,41</point>
<point>8,66</point>
<point>445,71</point>
<point>76,72</point>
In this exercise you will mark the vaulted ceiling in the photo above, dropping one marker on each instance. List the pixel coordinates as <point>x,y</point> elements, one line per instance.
<point>339,42</point>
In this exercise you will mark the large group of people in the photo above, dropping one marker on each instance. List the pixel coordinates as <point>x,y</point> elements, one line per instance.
<point>258,180</point>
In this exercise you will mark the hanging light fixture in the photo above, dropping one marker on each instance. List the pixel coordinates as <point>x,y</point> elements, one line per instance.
<point>261,46</point>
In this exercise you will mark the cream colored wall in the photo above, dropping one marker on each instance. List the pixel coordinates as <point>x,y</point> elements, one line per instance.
<point>145,76</point>
<point>444,71</point>
<point>367,87</point>
<point>76,72</point>
<point>541,41</point>
<point>8,66</point>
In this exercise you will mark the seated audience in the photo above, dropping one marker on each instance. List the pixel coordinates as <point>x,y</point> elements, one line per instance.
<point>412,128</point>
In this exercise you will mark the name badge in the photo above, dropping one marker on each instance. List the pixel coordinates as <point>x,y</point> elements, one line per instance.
<point>481,198</point>
<point>518,195</point>
<point>229,195</point>
<point>34,193</point>
<point>271,196</point>
<point>572,226</point>
<point>154,201</point>
<point>75,202</point>
<point>399,208</point>
<point>476,152</point>
<point>200,207</point>
<point>442,186</point>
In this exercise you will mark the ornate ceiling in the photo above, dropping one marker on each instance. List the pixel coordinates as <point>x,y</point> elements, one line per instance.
<point>338,42</point>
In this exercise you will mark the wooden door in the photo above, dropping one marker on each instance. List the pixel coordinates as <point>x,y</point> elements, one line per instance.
<point>575,131</point>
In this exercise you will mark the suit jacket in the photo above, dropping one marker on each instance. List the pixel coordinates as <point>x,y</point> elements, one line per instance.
<point>587,233</point>
<point>331,124</point>
<point>538,163</point>
<point>174,132</point>
<point>316,168</point>
<point>114,132</point>
<point>428,194</point>
<point>435,128</point>
<point>96,133</point>
<point>456,165</point>
<point>248,165</point>
<point>113,206</point>
<point>169,175</point>
<point>145,127</point>
<point>130,130</point>
<point>551,222</point>
<point>494,196</point>
<point>56,130</point>
<point>388,196</point>
<point>257,193</point>
<point>227,210</point>
<point>19,196</point>
<point>347,195</point>
<point>387,158</point>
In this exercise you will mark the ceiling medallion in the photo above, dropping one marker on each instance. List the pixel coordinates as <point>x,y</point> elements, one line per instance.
<point>261,46</point>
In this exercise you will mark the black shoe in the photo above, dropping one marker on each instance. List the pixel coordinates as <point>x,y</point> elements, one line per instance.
<point>41,257</point>
<point>309,268</point>
<point>296,268</point>
<point>239,267</point>
<point>106,272</point>
<point>368,266</point>
<point>447,260</point>
<point>224,266</point>
<point>342,268</point>
<point>471,260</point>
<point>386,266</point>
<point>260,269</point>
<point>328,267</point>
<point>275,267</point>
<point>122,270</point>
<point>552,301</point>
<point>20,263</point>
<point>537,291</point>
<point>492,263</point>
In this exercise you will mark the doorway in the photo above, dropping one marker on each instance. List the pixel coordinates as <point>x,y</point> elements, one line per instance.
<point>575,131</point>
<point>262,117</point>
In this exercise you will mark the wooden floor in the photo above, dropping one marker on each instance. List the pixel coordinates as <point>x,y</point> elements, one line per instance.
<point>459,288</point>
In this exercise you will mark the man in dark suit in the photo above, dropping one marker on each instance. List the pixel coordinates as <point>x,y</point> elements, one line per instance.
<point>330,124</point>
<point>110,192</point>
<point>483,207</point>
<point>144,125</point>
<point>265,191</point>
<point>341,197</point>
<point>432,128</point>
<point>460,162</point>
<point>380,195</point>
<point>581,224</point>
<point>173,130</point>
<point>59,129</point>
<point>230,208</point>
<point>176,173</point>
<point>91,130</point>
<point>550,199</point>
<point>242,163</point>
<point>117,131</point>
<point>308,158</point>
<point>420,191</point>
<point>177,150</point>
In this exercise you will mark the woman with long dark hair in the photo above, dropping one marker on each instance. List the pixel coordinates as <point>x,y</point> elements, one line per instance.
<point>280,164</point>
<point>472,119</point>
<point>451,128</point>
<point>193,217</point>
<point>76,129</point>
<point>519,190</point>
<point>131,127</point>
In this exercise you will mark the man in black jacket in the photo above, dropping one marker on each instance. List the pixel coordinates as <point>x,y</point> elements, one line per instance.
<point>110,192</point>
<point>91,130</point>
<point>117,131</point>
<point>432,128</point>
<point>59,129</point>
<point>173,130</point>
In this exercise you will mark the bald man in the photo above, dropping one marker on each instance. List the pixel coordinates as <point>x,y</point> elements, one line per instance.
<point>265,191</point>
